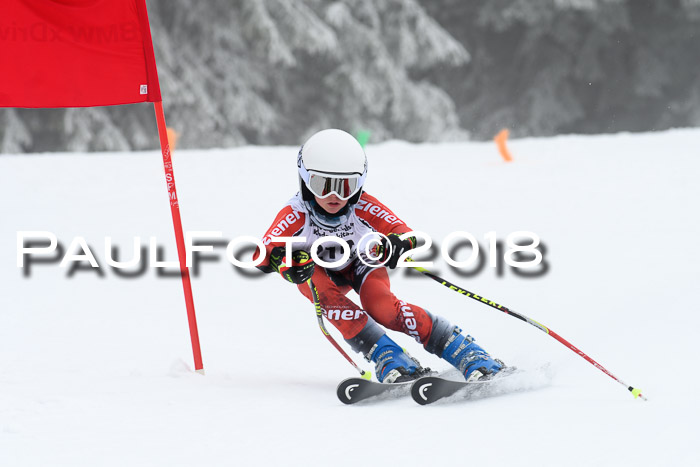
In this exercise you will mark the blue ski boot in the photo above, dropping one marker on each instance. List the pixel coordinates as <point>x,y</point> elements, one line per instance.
<point>392,364</point>
<point>470,359</point>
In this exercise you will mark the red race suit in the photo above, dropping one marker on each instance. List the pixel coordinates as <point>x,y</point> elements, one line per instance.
<point>357,226</point>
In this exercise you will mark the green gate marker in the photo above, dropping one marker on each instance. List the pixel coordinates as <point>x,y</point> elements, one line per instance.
<point>363,137</point>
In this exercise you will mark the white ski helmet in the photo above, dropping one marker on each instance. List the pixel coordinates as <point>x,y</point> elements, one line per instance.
<point>332,162</point>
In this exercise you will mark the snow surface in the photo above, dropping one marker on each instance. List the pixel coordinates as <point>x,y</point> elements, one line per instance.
<point>98,370</point>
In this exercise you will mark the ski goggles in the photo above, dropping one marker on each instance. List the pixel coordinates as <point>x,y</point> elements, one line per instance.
<point>344,187</point>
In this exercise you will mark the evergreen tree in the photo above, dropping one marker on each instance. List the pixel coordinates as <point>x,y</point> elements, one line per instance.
<point>14,135</point>
<point>544,67</point>
<point>274,71</point>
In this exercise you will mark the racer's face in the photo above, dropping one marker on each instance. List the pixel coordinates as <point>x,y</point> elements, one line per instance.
<point>332,204</point>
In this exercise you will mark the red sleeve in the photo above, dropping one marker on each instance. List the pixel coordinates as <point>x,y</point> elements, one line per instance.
<point>379,216</point>
<point>287,223</point>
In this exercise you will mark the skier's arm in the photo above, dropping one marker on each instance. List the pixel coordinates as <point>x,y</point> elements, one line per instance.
<point>384,221</point>
<point>288,223</point>
<point>380,217</point>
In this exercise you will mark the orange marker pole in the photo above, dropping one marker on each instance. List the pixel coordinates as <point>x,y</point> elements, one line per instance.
<point>172,138</point>
<point>500,140</point>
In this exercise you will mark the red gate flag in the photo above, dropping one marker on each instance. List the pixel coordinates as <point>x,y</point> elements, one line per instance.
<point>76,53</point>
<point>83,53</point>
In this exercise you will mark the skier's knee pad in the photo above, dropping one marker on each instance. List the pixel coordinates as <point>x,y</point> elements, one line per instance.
<point>441,332</point>
<point>367,337</point>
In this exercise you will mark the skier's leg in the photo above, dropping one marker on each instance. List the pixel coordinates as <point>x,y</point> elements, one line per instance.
<point>448,342</point>
<point>436,333</point>
<point>392,363</point>
<point>381,304</point>
<point>342,312</point>
<point>363,334</point>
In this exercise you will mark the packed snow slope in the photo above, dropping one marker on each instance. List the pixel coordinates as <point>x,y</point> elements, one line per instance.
<point>96,369</point>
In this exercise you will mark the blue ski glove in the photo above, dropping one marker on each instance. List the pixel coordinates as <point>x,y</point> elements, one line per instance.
<point>300,271</point>
<point>392,247</point>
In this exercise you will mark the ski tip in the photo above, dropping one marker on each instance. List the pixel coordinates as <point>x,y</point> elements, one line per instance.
<point>345,390</point>
<point>422,390</point>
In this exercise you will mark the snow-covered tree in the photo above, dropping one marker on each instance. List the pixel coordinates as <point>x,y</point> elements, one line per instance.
<point>275,71</point>
<point>542,67</point>
<point>15,138</point>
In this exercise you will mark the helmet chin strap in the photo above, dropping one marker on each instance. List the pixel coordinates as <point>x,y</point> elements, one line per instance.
<point>325,219</point>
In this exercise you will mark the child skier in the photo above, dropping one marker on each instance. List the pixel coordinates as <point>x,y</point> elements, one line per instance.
<point>332,169</point>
